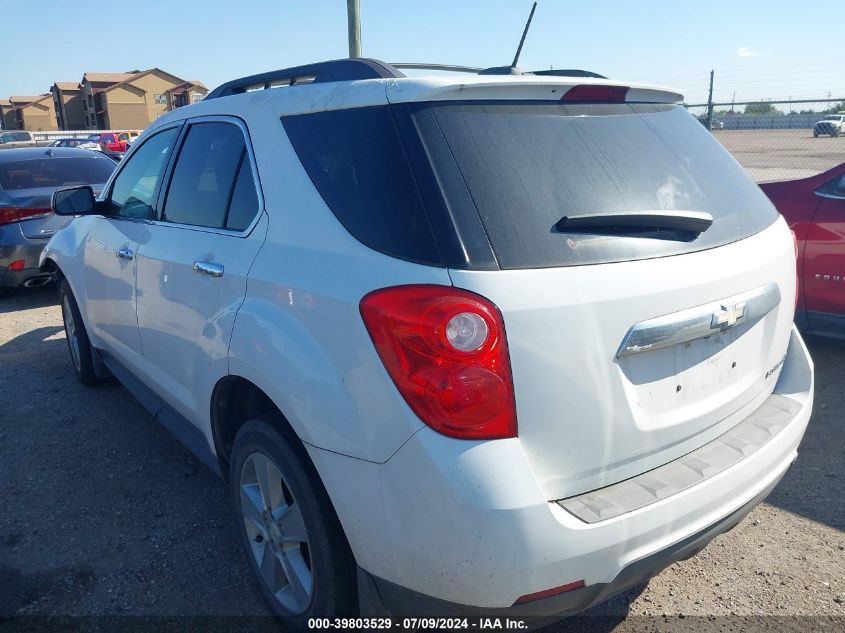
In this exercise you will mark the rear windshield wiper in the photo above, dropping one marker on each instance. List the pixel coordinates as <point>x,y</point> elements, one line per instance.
<point>688,221</point>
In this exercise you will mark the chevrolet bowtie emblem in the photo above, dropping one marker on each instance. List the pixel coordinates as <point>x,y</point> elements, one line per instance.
<point>727,316</point>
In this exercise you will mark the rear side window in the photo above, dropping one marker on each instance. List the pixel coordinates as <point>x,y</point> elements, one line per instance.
<point>55,172</point>
<point>356,161</point>
<point>212,182</point>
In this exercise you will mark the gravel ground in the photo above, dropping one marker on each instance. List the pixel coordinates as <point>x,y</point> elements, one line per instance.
<point>105,514</point>
<point>782,154</point>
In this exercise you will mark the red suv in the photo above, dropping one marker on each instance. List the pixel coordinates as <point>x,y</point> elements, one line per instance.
<point>108,142</point>
<point>815,210</point>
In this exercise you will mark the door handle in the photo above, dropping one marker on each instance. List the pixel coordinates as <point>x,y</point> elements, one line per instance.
<point>209,268</point>
<point>125,253</point>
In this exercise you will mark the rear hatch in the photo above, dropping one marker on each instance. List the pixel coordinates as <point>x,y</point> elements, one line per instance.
<point>609,218</point>
<point>650,320</point>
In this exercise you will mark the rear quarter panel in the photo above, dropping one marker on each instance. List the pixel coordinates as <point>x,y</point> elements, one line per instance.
<point>299,335</point>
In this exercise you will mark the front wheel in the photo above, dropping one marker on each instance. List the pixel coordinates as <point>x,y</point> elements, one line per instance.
<point>77,337</point>
<point>293,540</point>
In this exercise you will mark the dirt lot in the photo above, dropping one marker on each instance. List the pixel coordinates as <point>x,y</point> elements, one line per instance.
<point>782,154</point>
<point>104,514</point>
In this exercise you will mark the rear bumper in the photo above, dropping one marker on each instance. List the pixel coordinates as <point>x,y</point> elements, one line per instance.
<point>380,597</point>
<point>14,246</point>
<point>465,524</point>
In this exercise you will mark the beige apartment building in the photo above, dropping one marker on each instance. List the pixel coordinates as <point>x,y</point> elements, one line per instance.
<point>132,100</point>
<point>7,115</point>
<point>34,113</point>
<point>67,102</point>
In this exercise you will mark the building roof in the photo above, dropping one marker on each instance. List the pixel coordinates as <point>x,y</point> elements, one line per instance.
<point>5,102</point>
<point>67,85</point>
<point>107,78</point>
<point>22,101</point>
<point>186,86</point>
<point>138,75</point>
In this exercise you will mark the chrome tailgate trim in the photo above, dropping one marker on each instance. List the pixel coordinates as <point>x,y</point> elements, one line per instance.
<point>700,321</point>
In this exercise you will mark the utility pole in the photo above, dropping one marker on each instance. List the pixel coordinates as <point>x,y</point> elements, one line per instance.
<point>710,104</point>
<point>353,13</point>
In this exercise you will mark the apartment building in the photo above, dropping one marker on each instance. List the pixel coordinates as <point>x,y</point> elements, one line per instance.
<point>34,113</point>
<point>67,102</point>
<point>7,115</point>
<point>134,99</point>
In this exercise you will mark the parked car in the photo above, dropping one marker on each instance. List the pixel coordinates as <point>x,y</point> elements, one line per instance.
<point>82,143</point>
<point>28,178</point>
<point>109,144</point>
<point>459,345</point>
<point>126,138</point>
<point>815,210</point>
<point>16,139</point>
<point>832,125</point>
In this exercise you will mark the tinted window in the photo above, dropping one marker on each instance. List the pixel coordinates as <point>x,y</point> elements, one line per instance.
<point>133,189</point>
<point>356,161</point>
<point>55,172</point>
<point>526,165</point>
<point>244,203</point>
<point>204,177</point>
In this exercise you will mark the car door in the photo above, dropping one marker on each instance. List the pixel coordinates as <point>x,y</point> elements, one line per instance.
<point>112,243</point>
<point>824,260</point>
<point>192,268</point>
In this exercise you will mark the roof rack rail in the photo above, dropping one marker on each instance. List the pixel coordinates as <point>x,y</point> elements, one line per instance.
<point>568,73</point>
<point>336,70</point>
<point>497,70</point>
<point>444,67</point>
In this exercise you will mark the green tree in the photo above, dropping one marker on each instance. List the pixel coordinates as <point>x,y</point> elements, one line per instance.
<point>762,108</point>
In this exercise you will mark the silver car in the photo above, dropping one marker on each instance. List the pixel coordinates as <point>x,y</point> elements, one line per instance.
<point>28,178</point>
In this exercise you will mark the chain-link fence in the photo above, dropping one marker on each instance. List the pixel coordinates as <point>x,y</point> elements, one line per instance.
<point>779,140</point>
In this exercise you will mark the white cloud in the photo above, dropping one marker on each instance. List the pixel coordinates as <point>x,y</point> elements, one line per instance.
<point>745,51</point>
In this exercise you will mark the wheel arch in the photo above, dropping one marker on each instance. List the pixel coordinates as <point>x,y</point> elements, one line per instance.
<point>234,401</point>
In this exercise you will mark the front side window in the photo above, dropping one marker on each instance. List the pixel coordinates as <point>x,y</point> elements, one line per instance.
<point>212,183</point>
<point>134,187</point>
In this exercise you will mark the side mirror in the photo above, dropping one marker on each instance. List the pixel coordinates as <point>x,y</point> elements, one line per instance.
<point>73,201</point>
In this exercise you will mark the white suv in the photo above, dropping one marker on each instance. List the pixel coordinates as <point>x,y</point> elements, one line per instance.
<point>479,344</point>
<point>832,125</point>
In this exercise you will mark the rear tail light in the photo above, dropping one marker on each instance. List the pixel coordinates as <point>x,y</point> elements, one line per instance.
<point>16,265</point>
<point>446,351</point>
<point>587,93</point>
<point>9,215</point>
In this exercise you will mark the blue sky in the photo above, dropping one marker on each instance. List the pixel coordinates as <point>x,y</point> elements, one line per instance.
<point>759,49</point>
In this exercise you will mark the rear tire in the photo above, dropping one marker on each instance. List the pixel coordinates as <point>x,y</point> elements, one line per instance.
<point>815,135</point>
<point>77,337</point>
<point>288,528</point>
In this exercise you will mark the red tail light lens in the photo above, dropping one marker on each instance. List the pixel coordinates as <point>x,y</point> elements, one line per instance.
<point>446,351</point>
<point>9,215</point>
<point>586,93</point>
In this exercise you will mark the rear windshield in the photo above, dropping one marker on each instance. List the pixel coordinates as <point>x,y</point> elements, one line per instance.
<point>54,172</point>
<point>519,167</point>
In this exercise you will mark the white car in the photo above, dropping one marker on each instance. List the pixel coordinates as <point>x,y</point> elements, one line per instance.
<point>832,125</point>
<point>486,344</point>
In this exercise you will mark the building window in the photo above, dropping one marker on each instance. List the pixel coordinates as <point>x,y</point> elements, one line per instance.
<point>160,98</point>
<point>196,97</point>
